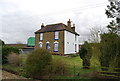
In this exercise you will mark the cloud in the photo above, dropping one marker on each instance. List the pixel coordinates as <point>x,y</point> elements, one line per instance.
<point>19,20</point>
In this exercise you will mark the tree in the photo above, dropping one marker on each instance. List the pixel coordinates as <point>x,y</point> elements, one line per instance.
<point>95,34</point>
<point>85,55</point>
<point>113,11</point>
<point>107,49</point>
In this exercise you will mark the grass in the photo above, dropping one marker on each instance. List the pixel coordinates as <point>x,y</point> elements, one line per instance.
<point>11,68</point>
<point>74,66</point>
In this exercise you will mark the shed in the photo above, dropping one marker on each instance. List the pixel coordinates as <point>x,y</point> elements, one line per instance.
<point>31,42</point>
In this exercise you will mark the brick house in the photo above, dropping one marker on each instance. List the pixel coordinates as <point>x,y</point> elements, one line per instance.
<point>57,38</point>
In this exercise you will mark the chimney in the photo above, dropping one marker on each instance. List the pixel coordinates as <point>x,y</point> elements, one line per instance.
<point>42,25</point>
<point>73,28</point>
<point>69,23</point>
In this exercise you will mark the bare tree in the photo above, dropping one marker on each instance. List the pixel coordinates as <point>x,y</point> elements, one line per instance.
<point>95,34</point>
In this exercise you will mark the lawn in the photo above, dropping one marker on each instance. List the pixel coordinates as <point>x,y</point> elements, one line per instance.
<point>75,64</point>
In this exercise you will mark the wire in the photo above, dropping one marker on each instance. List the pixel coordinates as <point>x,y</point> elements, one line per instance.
<point>73,10</point>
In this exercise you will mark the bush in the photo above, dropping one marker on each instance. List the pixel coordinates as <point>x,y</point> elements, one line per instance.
<point>7,50</point>
<point>14,59</point>
<point>85,55</point>
<point>59,66</point>
<point>108,48</point>
<point>36,62</point>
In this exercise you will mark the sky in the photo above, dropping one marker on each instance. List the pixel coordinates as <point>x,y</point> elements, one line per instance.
<point>19,19</point>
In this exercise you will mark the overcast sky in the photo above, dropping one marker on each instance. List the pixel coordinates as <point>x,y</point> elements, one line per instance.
<point>19,19</point>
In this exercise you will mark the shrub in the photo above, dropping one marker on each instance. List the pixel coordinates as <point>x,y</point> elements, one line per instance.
<point>14,59</point>
<point>85,55</point>
<point>36,62</point>
<point>7,50</point>
<point>108,50</point>
<point>59,66</point>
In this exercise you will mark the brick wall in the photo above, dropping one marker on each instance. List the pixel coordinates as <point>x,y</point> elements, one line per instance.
<point>49,37</point>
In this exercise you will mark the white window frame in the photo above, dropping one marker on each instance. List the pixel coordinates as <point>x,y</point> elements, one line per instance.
<point>40,44</point>
<point>47,48</point>
<point>56,35</point>
<point>56,46</point>
<point>41,36</point>
<point>75,47</point>
<point>75,37</point>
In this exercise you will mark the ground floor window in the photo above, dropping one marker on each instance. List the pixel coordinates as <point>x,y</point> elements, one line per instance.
<point>48,46</point>
<point>75,47</point>
<point>55,47</point>
<point>40,44</point>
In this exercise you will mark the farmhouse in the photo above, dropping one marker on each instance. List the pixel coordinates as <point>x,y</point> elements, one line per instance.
<point>57,38</point>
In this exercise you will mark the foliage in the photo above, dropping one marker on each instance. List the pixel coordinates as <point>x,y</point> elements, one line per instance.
<point>72,67</point>
<point>59,66</point>
<point>113,11</point>
<point>117,57</point>
<point>109,49</point>
<point>7,50</point>
<point>36,62</point>
<point>14,59</point>
<point>85,54</point>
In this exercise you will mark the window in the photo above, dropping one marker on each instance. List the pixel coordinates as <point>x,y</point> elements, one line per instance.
<point>55,47</point>
<point>40,44</point>
<point>48,46</point>
<point>75,37</point>
<point>56,35</point>
<point>75,47</point>
<point>41,36</point>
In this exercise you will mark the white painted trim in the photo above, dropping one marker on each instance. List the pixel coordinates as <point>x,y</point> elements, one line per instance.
<point>47,42</point>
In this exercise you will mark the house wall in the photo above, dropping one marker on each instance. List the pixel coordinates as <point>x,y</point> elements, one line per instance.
<point>49,37</point>
<point>37,37</point>
<point>69,43</point>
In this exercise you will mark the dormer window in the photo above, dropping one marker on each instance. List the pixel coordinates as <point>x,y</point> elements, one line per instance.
<point>56,35</point>
<point>41,36</point>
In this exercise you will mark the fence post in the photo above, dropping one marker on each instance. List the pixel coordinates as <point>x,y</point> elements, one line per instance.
<point>74,69</point>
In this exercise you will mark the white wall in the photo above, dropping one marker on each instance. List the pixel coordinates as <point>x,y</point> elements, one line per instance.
<point>69,43</point>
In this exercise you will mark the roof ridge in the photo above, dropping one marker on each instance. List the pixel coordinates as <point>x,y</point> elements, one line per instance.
<point>54,24</point>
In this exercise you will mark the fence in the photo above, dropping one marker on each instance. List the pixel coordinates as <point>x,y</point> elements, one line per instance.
<point>74,71</point>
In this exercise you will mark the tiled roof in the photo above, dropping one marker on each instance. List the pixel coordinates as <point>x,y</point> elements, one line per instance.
<point>55,27</point>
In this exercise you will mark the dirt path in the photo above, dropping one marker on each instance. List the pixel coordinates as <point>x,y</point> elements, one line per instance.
<point>7,75</point>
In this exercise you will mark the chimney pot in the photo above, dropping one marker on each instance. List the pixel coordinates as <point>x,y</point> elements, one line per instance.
<point>73,28</point>
<point>69,23</point>
<point>73,25</point>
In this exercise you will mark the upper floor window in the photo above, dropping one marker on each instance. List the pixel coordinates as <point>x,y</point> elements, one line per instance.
<point>56,35</point>
<point>41,36</point>
<point>75,37</point>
